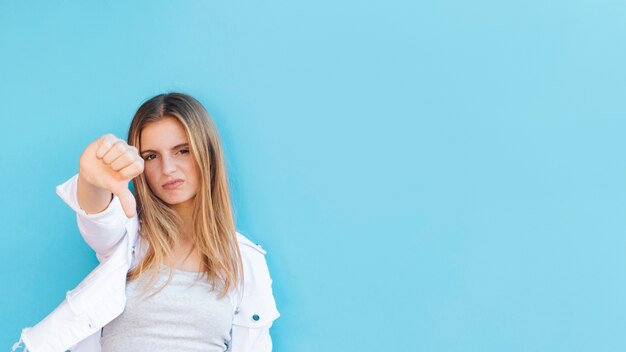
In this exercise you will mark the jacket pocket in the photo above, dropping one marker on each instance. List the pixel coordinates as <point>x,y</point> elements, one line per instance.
<point>256,311</point>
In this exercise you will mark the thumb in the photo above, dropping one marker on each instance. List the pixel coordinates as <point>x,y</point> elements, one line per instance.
<point>127,200</point>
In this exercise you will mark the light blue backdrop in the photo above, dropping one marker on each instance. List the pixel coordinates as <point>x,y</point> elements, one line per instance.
<point>426,176</point>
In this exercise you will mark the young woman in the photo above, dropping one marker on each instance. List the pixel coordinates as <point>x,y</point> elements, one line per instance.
<point>174,273</point>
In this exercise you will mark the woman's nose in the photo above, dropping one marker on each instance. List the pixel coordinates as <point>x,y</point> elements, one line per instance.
<point>168,165</point>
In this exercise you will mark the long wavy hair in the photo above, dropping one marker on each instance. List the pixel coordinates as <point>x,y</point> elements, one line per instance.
<point>213,234</point>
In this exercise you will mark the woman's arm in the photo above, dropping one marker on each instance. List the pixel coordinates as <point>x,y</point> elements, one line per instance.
<point>92,199</point>
<point>101,231</point>
<point>99,194</point>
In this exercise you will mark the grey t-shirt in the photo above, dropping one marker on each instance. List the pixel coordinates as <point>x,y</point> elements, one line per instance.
<point>186,316</point>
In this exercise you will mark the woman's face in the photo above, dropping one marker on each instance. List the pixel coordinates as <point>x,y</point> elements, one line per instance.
<point>169,168</point>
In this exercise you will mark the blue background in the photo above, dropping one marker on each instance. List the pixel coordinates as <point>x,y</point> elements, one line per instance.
<point>426,176</point>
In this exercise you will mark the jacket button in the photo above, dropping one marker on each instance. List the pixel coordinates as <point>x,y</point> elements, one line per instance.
<point>256,317</point>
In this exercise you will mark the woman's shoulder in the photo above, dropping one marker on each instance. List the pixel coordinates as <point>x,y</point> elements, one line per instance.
<point>255,269</point>
<point>246,246</point>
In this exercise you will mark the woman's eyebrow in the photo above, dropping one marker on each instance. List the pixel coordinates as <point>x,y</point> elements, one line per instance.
<point>182,145</point>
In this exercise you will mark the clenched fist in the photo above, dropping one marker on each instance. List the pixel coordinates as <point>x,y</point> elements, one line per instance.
<point>110,164</point>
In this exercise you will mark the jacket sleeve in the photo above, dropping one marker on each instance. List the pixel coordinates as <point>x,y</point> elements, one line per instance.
<point>101,231</point>
<point>256,310</point>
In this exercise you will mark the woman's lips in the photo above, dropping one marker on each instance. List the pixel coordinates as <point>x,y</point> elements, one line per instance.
<point>173,184</point>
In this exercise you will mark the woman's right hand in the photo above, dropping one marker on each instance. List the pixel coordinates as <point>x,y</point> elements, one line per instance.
<point>109,164</point>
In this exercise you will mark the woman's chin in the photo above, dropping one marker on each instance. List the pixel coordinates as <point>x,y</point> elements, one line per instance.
<point>176,201</point>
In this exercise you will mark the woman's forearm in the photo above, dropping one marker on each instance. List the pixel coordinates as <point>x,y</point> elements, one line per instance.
<point>92,199</point>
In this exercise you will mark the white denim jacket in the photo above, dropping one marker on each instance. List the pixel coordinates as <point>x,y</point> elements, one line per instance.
<point>75,324</point>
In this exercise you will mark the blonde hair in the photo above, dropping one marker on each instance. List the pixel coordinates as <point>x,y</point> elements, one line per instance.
<point>213,234</point>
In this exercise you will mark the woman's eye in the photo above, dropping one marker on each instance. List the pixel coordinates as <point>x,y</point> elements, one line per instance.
<point>184,151</point>
<point>149,157</point>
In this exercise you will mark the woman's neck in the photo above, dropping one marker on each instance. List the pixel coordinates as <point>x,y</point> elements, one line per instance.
<point>185,212</point>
